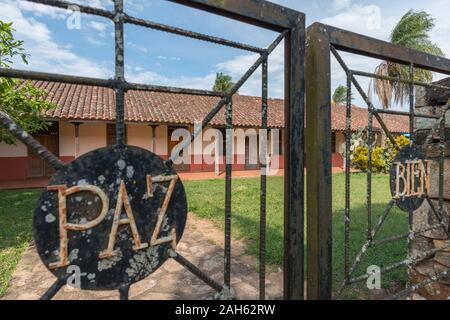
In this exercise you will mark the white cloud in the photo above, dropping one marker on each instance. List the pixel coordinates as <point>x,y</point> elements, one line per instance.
<point>46,54</point>
<point>99,26</point>
<point>137,47</point>
<point>366,20</point>
<point>96,42</point>
<point>239,65</point>
<point>341,4</point>
<point>140,75</point>
<point>235,67</point>
<point>41,10</point>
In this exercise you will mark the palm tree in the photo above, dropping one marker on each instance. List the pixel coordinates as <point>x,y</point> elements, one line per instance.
<point>340,95</point>
<point>411,31</point>
<point>223,82</point>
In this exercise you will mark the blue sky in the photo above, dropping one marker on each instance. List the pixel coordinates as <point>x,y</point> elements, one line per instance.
<point>160,58</point>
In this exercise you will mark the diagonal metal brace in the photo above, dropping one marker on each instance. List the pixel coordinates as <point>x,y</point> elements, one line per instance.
<point>39,149</point>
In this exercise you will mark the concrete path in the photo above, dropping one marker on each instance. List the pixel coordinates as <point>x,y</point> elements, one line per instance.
<point>185,176</point>
<point>201,244</point>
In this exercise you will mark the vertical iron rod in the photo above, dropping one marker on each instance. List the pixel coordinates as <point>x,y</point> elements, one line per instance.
<point>411,141</point>
<point>228,173</point>
<point>442,163</point>
<point>263,155</point>
<point>124,292</point>
<point>348,132</point>
<point>119,71</point>
<point>369,173</point>
<point>411,102</point>
<point>223,101</point>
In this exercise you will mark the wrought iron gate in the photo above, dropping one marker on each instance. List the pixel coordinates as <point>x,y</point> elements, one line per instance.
<point>290,25</point>
<point>321,40</point>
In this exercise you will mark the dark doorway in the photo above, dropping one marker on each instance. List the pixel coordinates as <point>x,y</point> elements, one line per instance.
<point>37,167</point>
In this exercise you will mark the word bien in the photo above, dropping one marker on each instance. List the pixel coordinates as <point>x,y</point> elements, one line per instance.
<point>122,201</point>
<point>407,173</point>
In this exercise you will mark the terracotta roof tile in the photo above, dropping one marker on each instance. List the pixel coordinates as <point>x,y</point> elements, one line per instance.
<point>80,102</point>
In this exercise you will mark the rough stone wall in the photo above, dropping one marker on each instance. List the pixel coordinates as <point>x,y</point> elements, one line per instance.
<point>424,216</point>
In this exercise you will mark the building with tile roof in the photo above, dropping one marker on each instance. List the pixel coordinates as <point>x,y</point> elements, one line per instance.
<point>83,120</point>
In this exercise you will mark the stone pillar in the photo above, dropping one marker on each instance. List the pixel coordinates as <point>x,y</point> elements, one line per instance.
<point>432,102</point>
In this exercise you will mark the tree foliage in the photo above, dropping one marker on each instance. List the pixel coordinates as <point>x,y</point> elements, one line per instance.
<point>340,95</point>
<point>411,31</point>
<point>24,103</point>
<point>223,83</point>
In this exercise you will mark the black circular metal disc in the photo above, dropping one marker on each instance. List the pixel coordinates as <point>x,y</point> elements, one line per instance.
<point>105,168</point>
<point>407,153</point>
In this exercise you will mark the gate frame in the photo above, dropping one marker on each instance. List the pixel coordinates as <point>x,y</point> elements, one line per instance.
<point>320,40</point>
<point>291,24</point>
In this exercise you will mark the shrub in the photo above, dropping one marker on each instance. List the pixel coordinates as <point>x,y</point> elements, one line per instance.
<point>382,157</point>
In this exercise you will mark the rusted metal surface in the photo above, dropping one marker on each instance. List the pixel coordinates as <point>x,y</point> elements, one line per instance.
<point>409,175</point>
<point>97,215</point>
<point>54,288</point>
<point>294,117</point>
<point>196,271</point>
<point>83,8</point>
<point>348,132</point>
<point>63,189</point>
<point>263,193</point>
<point>228,184</point>
<point>367,46</point>
<point>409,178</point>
<point>111,83</point>
<point>257,12</point>
<point>318,162</point>
<point>119,71</point>
<point>191,34</point>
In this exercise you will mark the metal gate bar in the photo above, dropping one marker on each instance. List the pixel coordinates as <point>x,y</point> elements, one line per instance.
<point>409,262</point>
<point>264,167</point>
<point>321,40</point>
<point>228,178</point>
<point>291,26</point>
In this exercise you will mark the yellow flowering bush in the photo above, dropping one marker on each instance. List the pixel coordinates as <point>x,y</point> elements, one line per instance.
<point>382,157</point>
<point>360,157</point>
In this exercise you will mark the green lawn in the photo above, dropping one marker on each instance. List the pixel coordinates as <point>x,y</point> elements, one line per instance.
<point>206,199</point>
<point>16,215</point>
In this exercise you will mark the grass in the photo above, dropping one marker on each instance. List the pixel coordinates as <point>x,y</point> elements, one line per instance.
<point>16,214</point>
<point>206,199</point>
